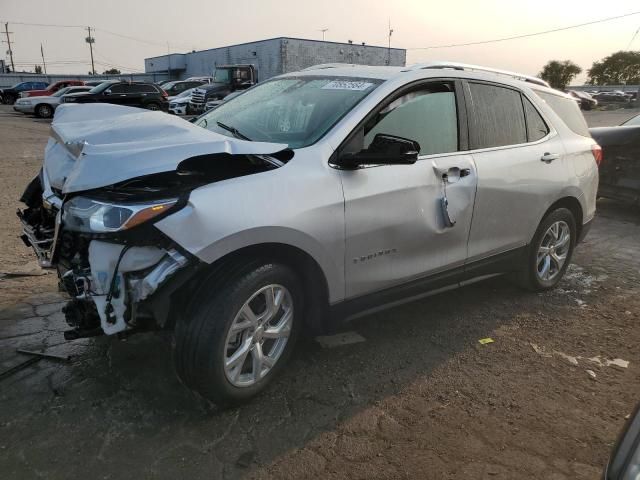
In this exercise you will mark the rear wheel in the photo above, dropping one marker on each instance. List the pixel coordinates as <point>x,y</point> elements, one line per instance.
<point>153,106</point>
<point>550,251</point>
<point>10,99</point>
<point>236,337</point>
<point>44,111</point>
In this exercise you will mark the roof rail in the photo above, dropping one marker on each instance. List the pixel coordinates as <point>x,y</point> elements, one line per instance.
<point>324,66</point>
<point>465,66</point>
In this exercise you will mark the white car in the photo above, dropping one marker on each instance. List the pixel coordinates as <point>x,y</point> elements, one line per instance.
<point>45,106</point>
<point>313,197</point>
<point>178,103</point>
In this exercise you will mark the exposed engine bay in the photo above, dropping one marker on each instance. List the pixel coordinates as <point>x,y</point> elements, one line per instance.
<point>109,257</point>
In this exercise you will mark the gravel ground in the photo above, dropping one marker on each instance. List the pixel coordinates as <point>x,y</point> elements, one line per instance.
<point>420,398</point>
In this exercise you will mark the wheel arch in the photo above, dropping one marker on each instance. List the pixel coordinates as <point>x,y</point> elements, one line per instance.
<point>314,280</point>
<point>572,204</point>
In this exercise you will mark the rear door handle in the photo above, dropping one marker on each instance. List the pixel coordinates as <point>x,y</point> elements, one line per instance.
<point>549,157</point>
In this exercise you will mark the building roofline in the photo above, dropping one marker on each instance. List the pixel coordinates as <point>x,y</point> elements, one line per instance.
<point>281,38</point>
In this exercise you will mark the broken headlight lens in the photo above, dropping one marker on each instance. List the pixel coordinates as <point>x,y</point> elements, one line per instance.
<point>84,214</point>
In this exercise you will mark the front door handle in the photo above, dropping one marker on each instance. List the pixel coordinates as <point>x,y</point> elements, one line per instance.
<point>549,157</point>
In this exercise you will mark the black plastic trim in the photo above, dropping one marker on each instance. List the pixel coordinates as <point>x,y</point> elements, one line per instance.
<point>505,262</point>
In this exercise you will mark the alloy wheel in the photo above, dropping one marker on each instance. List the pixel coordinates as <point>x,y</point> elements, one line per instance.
<point>258,335</point>
<point>553,251</point>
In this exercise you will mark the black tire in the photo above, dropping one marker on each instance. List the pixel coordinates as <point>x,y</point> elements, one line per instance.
<point>200,336</point>
<point>152,106</point>
<point>528,276</point>
<point>44,111</point>
<point>10,99</point>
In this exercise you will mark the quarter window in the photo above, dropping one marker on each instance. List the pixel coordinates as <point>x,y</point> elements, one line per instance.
<point>497,116</point>
<point>536,127</point>
<point>427,116</point>
<point>568,111</point>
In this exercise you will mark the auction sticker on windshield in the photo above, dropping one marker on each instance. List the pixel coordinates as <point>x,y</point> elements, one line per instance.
<point>347,85</point>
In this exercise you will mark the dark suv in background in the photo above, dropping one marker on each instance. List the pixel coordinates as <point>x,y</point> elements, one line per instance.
<point>130,94</point>
<point>177,87</point>
<point>11,94</point>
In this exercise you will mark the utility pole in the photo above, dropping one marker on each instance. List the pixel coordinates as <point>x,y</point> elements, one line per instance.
<point>323,30</point>
<point>168,62</point>
<point>389,49</point>
<point>43,62</point>
<point>90,40</point>
<point>7,33</point>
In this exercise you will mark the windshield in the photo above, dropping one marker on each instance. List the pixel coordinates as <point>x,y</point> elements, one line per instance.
<point>101,87</point>
<point>632,121</point>
<point>294,110</point>
<point>61,92</point>
<point>168,85</point>
<point>222,75</point>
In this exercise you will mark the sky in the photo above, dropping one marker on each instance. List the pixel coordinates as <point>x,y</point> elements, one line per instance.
<point>158,26</point>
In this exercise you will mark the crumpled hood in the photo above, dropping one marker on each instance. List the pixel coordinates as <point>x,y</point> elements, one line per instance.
<point>93,146</point>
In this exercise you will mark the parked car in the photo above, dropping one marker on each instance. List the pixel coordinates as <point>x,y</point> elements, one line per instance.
<point>227,79</point>
<point>178,104</point>
<point>211,104</point>
<point>620,168</point>
<point>51,89</point>
<point>611,97</point>
<point>132,94</point>
<point>11,94</point>
<point>45,106</point>
<point>311,198</point>
<point>176,88</point>
<point>586,101</point>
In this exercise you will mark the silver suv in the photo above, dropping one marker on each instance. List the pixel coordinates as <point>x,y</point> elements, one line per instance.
<point>312,198</point>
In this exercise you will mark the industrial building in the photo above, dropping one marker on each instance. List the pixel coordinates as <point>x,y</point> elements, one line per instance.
<point>273,57</point>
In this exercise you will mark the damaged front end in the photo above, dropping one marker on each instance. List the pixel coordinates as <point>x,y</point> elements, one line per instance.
<point>110,173</point>
<point>108,256</point>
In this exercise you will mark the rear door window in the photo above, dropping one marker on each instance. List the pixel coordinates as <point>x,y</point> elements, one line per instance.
<point>568,111</point>
<point>497,116</point>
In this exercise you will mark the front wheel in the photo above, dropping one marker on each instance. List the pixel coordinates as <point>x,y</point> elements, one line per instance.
<point>44,111</point>
<point>550,251</point>
<point>235,338</point>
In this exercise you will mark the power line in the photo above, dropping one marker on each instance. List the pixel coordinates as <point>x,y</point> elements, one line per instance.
<point>633,38</point>
<point>526,35</point>
<point>103,30</point>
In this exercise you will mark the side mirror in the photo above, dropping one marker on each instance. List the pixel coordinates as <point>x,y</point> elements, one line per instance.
<point>624,463</point>
<point>384,150</point>
<point>107,92</point>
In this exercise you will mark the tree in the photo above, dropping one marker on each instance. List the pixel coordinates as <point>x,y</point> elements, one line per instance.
<point>559,74</point>
<point>620,68</point>
<point>38,69</point>
<point>112,71</point>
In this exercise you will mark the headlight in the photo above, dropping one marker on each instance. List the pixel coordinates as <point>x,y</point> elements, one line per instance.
<point>83,214</point>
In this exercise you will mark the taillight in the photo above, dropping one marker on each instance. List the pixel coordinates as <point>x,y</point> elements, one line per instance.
<point>596,150</point>
<point>165,94</point>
